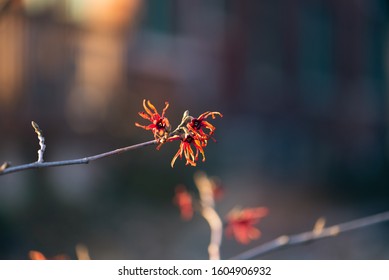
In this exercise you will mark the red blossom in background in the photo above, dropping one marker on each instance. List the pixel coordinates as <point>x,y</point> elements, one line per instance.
<point>217,189</point>
<point>36,255</point>
<point>160,125</point>
<point>241,223</point>
<point>183,200</point>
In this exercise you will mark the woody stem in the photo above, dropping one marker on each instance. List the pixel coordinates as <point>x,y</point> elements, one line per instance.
<point>41,164</point>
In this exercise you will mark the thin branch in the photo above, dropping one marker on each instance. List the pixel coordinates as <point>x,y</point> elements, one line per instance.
<point>315,234</point>
<point>205,187</point>
<point>5,168</point>
<point>82,252</point>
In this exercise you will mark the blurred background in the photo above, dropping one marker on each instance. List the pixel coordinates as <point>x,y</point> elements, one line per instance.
<point>302,85</point>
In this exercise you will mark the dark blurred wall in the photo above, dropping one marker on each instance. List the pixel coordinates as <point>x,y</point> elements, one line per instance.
<point>313,73</point>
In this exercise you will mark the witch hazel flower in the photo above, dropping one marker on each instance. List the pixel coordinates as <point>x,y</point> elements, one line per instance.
<point>241,223</point>
<point>193,139</point>
<point>196,125</point>
<point>193,133</point>
<point>160,125</point>
<point>183,199</point>
<point>187,141</point>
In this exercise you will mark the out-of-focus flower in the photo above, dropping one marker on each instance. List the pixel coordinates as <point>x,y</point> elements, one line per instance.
<point>36,255</point>
<point>160,125</point>
<point>196,125</point>
<point>183,200</point>
<point>217,189</point>
<point>241,223</point>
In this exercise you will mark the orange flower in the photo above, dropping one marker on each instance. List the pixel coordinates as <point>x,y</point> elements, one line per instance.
<point>36,255</point>
<point>160,125</point>
<point>196,125</point>
<point>183,200</point>
<point>186,150</point>
<point>240,223</point>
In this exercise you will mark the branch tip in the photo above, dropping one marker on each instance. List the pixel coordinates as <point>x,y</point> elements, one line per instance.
<point>305,237</point>
<point>38,131</point>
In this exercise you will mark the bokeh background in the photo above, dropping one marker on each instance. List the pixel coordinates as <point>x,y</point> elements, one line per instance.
<point>302,84</point>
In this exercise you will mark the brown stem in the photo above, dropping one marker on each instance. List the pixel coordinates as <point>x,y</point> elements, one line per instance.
<point>84,160</point>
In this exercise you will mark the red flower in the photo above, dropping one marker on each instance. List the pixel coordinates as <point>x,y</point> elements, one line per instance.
<point>196,125</point>
<point>191,132</point>
<point>186,150</point>
<point>217,189</point>
<point>183,200</point>
<point>240,223</point>
<point>160,125</point>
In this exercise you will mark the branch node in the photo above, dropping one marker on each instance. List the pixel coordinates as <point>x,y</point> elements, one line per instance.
<point>282,240</point>
<point>319,226</point>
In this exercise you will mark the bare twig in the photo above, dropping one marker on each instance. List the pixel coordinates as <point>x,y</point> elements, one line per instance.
<point>42,145</point>
<point>82,252</point>
<point>315,234</point>
<point>205,187</point>
<point>7,169</point>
